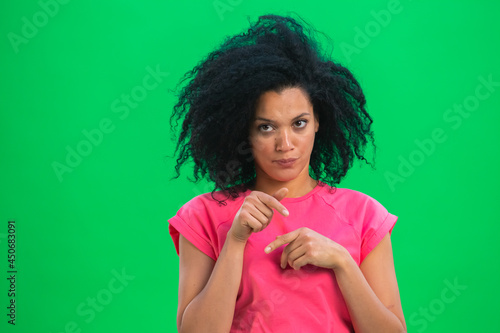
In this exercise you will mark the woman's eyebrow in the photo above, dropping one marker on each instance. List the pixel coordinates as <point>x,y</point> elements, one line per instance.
<point>269,120</point>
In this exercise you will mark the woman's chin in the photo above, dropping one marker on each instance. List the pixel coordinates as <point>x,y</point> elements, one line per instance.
<point>284,176</point>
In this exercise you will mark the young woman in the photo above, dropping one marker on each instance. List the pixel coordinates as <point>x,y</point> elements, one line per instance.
<point>276,247</point>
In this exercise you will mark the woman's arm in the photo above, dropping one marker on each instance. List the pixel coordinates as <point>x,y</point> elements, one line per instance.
<point>208,289</point>
<point>370,291</point>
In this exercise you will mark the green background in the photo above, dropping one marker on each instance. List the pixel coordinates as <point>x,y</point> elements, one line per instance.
<point>108,216</point>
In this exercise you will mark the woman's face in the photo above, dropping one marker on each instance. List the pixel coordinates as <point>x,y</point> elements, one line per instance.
<point>282,135</point>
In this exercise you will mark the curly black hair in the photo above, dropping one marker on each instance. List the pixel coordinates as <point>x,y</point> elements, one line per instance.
<point>218,104</point>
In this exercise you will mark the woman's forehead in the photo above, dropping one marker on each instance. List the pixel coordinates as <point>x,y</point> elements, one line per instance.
<point>288,103</point>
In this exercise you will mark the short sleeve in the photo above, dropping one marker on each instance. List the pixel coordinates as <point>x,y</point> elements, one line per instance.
<point>377,222</point>
<point>192,221</point>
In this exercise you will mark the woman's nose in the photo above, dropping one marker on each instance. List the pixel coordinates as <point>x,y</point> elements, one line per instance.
<point>284,141</point>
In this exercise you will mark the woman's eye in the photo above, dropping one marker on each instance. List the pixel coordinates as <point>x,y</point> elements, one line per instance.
<point>265,128</point>
<point>301,123</point>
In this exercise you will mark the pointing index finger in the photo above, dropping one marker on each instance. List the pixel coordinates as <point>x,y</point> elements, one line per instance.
<point>281,240</point>
<point>272,202</point>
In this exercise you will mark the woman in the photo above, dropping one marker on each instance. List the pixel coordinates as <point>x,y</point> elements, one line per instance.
<point>276,247</point>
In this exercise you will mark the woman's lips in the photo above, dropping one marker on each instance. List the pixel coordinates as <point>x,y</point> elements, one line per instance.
<point>286,162</point>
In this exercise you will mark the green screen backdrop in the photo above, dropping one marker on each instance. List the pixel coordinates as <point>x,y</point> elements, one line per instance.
<point>85,189</point>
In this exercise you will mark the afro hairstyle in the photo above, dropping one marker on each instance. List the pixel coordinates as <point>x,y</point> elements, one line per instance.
<point>217,100</point>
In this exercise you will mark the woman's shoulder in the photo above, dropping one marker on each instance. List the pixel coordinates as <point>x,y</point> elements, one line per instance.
<point>216,205</point>
<point>344,195</point>
<point>350,202</point>
<point>217,199</point>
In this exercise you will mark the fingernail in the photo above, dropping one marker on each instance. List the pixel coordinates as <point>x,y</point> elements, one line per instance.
<point>268,249</point>
<point>285,212</point>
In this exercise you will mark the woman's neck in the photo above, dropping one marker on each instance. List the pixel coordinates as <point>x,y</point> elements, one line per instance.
<point>296,187</point>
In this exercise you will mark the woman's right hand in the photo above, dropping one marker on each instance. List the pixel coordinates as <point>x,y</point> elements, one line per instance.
<point>256,213</point>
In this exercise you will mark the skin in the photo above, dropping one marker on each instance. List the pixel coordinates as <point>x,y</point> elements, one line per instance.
<point>284,127</point>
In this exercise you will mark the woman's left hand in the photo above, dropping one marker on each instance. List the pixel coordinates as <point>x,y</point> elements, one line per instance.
<point>306,246</point>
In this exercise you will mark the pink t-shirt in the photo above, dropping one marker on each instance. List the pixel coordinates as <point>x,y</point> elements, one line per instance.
<point>271,299</point>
